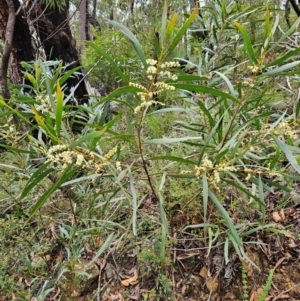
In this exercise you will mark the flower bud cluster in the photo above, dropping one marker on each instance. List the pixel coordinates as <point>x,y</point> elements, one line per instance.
<point>168,74</point>
<point>9,132</point>
<point>147,96</point>
<point>170,65</point>
<point>151,62</point>
<point>284,129</point>
<point>254,69</point>
<point>44,104</point>
<point>207,166</point>
<point>61,157</point>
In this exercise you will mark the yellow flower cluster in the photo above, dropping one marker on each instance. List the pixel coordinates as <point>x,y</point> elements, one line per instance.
<point>44,104</point>
<point>61,157</point>
<point>148,95</point>
<point>137,86</point>
<point>207,166</point>
<point>254,69</point>
<point>168,74</point>
<point>285,129</point>
<point>170,65</point>
<point>151,62</point>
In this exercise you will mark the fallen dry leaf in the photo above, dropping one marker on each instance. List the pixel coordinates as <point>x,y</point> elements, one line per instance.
<point>286,296</point>
<point>203,272</point>
<point>282,215</point>
<point>256,294</point>
<point>212,284</point>
<point>279,262</point>
<point>276,217</point>
<point>130,280</point>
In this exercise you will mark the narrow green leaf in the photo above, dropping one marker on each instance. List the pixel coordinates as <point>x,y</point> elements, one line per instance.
<point>204,89</point>
<point>228,83</point>
<point>116,93</point>
<point>208,138</point>
<point>59,108</point>
<point>106,244</point>
<point>37,75</point>
<point>111,61</point>
<point>167,110</point>
<point>187,78</point>
<point>162,213</point>
<point>281,69</point>
<point>262,198</point>
<point>67,75</point>
<point>32,80</point>
<point>17,150</point>
<point>247,42</point>
<point>65,176</point>
<point>203,225</point>
<point>51,83</point>
<point>226,217</point>
<point>205,196</point>
<point>37,177</point>
<point>171,140</point>
<point>38,118</point>
<point>164,21</point>
<point>288,154</point>
<point>297,107</point>
<point>182,31</point>
<point>275,159</point>
<point>10,166</point>
<point>174,159</point>
<point>267,28</point>
<point>287,34</point>
<point>134,202</point>
<point>86,137</point>
<point>283,58</point>
<point>171,24</point>
<point>207,113</point>
<point>132,38</point>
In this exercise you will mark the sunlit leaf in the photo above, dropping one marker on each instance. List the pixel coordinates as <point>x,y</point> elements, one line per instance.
<point>285,148</point>
<point>182,31</point>
<point>59,108</point>
<point>132,38</point>
<point>171,140</point>
<point>247,42</point>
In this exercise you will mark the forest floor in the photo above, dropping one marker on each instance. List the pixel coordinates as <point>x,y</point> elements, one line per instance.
<point>194,271</point>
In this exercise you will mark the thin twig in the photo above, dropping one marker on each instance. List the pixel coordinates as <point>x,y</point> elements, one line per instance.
<point>282,293</point>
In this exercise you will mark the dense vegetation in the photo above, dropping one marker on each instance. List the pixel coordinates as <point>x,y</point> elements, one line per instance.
<point>187,165</point>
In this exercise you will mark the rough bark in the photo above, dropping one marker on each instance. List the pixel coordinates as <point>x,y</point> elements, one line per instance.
<point>84,29</point>
<point>21,46</point>
<point>52,27</point>
<point>8,23</point>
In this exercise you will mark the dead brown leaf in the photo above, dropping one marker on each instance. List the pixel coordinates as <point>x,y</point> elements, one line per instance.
<point>130,280</point>
<point>203,272</point>
<point>276,217</point>
<point>282,215</point>
<point>279,262</point>
<point>256,294</point>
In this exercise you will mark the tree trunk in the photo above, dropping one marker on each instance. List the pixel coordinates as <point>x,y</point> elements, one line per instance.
<point>84,29</point>
<point>21,49</point>
<point>53,30</point>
